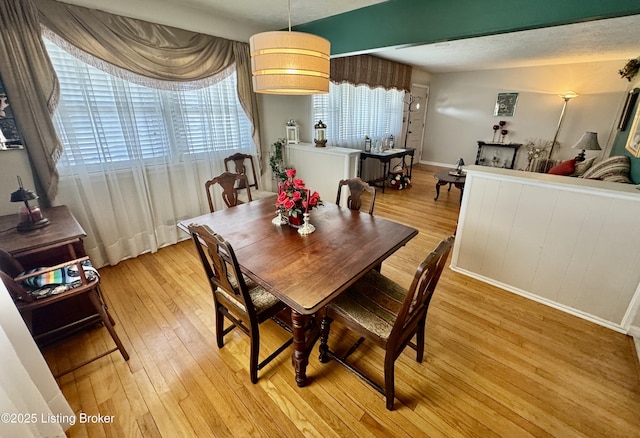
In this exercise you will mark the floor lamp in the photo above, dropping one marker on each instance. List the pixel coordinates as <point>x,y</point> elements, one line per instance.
<point>567,96</point>
<point>412,100</point>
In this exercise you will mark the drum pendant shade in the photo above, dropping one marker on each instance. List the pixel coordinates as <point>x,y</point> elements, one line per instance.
<point>285,62</point>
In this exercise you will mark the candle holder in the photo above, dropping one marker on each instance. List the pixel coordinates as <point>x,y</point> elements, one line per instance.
<point>306,228</point>
<point>279,220</point>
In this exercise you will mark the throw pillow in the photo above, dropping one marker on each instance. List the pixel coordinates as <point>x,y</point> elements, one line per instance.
<point>583,166</point>
<point>564,168</point>
<point>613,169</point>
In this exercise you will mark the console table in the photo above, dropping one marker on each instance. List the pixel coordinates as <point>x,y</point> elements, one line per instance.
<point>385,158</point>
<point>60,241</point>
<point>497,154</point>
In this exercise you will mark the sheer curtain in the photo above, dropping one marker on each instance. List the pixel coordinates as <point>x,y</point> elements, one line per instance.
<point>136,158</point>
<point>351,112</point>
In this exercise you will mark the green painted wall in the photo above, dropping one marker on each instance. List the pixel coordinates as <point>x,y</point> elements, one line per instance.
<point>426,21</point>
<point>621,140</point>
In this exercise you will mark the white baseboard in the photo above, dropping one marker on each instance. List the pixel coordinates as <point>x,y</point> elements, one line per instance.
<point>434,163</point>
<point>635,332</point>
<point>555,305</point>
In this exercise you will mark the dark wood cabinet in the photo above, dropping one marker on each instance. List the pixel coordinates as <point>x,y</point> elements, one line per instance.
<point>497,154</point>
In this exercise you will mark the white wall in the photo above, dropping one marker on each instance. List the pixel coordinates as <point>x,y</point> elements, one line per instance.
<point>460,109</point>
<point>13,163</point>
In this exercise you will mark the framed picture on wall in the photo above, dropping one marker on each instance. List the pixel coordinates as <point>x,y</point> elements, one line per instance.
<point>505,104</point>
<point>633,141</point>
<point>629,105</point>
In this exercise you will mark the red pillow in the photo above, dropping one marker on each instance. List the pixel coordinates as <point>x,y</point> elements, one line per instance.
<point>564,168</point>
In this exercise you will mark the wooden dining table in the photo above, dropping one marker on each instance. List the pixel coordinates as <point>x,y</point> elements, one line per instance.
<point>305,271</point>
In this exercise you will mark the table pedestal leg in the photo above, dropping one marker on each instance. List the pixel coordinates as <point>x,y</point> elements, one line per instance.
<point>300,359</point>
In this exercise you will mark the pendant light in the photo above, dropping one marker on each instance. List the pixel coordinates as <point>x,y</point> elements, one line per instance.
<point>289,62</point>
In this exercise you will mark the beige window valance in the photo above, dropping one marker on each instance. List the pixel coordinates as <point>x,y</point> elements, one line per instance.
<point>372,71</point>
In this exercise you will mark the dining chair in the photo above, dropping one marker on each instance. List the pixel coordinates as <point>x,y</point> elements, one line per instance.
<point>228,182</point>
<point>383,312</point>
<point>45,287</point>
<point>236,297</point>
<point>240,162</point>
<point>357,187</point>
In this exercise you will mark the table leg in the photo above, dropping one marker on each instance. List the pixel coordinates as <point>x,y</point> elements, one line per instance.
<point>300,358</point>
<point>438,184</point>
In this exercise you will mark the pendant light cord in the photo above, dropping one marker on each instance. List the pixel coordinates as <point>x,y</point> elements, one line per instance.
<point>289,15</point>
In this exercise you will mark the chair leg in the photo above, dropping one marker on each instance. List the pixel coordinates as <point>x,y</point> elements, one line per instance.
<point>420,340</point>
<point>324,339</point>
<point>389,376</point>
<point>254,354</point>
<point>95,298</point>
<point>219,326</point>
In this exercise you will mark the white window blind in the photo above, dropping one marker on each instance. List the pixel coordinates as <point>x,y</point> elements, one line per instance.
<point>102,119</point>
<point>352,112</point>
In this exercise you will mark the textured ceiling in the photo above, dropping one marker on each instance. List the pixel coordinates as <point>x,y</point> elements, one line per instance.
<point>601,40</point>
<point>273,14</point>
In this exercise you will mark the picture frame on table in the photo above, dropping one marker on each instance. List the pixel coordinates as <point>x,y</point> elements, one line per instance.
<point>505,104</point>
<point>633,141</point>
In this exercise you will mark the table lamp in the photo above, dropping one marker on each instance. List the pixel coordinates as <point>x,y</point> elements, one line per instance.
<point>31,217</point>
<point>588,142</point>
<point>459,165</point>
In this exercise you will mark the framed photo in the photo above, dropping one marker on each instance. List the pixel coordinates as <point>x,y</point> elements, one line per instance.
<point>629,105</point>
<point>633,141</point>
<point>506,104</point>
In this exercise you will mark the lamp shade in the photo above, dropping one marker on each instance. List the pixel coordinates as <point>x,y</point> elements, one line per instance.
<point>289,63</point>
<point>588,142</point>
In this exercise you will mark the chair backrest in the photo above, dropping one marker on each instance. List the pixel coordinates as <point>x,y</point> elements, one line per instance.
<point>239,161</point>
<point>356,188</point>
<point>221,266</point>
<point>227,181</point>
<point>416,303</point>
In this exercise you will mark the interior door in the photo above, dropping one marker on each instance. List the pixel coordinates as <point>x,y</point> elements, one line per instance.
<point>415,118</point>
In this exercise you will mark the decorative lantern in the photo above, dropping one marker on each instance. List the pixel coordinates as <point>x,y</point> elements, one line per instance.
<point>321,134</point>
<point>293,133</point>
<point>30,216</point>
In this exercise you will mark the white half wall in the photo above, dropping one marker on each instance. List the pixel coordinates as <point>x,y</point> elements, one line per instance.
<point>460,108</point>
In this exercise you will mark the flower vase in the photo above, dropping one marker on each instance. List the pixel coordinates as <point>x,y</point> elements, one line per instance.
<point>295,221</point>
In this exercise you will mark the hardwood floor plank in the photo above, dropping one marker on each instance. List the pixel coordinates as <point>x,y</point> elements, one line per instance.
<point>496,364</point>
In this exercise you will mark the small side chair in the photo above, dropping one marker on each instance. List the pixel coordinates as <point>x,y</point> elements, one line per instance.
<point>385,313</point>
<point>26,298</point>
<point>228,181</point>
<point>357,188</point>
<point>240,162</point>
<point>236,297</point>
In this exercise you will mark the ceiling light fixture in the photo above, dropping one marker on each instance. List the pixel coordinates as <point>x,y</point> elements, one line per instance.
<point>289,62</point>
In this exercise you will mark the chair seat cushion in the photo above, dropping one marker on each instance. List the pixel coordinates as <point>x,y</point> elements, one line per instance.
<point>373,302</point>
<point>261,298</point>
<point>255,195</point>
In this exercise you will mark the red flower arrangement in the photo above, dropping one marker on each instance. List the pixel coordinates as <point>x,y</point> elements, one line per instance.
<point>293,198</point>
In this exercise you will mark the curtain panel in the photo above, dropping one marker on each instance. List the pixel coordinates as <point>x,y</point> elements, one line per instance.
<point>153,51</point>
<point>372,71</point>
<point>32,88</point>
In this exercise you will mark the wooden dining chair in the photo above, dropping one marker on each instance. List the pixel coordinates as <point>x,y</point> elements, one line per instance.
<point>240,162</point>
<point>236,297</point>
<point>357,188</point>
<point>385,313</point>
<point>29,297</point>
<point>228,182</point>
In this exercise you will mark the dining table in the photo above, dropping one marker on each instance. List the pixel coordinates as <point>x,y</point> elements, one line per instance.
<point>305,272</point>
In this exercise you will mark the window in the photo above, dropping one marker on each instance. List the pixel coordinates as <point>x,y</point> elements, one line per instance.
<point>102,119</point>
<point>352,112</point>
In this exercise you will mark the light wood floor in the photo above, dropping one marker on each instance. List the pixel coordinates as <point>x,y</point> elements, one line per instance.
<point>496,364</point>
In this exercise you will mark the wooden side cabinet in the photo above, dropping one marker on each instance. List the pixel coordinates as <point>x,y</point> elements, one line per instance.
<point>497,154</point>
